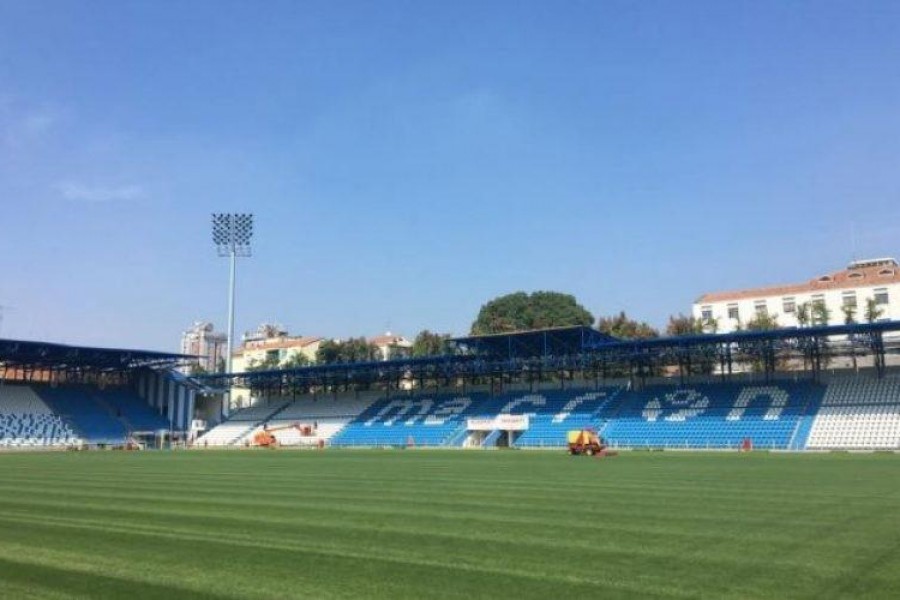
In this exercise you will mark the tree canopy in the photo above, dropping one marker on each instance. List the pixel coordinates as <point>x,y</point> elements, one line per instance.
<point>539,310</point>
<point>347,351</point>
<point>689,325</point>
<point>873,311</point>
<point>762,322</point>
<point>621,326</point>
<point>428,343</point>
<point>296,360</point>
<point>268,364</point>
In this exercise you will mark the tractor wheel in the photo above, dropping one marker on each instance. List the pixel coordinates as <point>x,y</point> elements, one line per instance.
<point>589,451</point>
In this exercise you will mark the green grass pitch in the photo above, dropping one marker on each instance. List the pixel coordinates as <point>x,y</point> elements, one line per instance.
<point>445,524</point>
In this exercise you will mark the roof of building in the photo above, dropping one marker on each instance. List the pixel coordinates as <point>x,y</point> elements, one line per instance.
<point>857,274</point>
<point>46,355</point>
<point>278,343</point>
<point>283,342</point>
<point>390,339</point>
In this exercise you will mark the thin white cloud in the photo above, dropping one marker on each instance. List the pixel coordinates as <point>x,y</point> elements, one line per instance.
<point>22,125</point>
<point>36,123</point>
<point>80,192</point>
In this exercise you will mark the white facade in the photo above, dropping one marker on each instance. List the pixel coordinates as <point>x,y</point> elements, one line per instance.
<point>877,279</point>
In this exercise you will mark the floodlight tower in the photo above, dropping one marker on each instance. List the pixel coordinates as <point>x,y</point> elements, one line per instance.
<point>231,235</point>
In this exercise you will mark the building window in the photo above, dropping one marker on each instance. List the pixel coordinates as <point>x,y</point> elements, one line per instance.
<point>706,313</point>
<point>881,296</point>
<point>818,311</point>
<point>849,299</point>
<point>789,305</point>
<point>733,312</point>
<point>760,307</point>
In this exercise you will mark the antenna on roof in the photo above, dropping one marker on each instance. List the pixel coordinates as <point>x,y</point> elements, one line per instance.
<point>853,253</point>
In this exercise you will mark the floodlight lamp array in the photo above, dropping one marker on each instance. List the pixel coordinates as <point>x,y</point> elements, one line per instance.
<point>232,232</point>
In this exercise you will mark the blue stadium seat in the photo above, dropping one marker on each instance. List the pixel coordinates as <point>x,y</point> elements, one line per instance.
<point>92,421</point>
<point>132,409</point>
<point>713,415</point>
<point>423,421</point>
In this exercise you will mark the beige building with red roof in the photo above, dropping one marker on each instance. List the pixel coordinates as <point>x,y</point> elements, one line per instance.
<point>272,344</point>
<point>877,280</point>
<point>391,345</point>
<point>282,349</point>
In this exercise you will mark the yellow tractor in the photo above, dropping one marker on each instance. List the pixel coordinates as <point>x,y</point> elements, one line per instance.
<point>586,442</point>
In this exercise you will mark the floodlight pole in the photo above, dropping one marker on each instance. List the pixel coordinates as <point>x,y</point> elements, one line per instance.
<point>233,259</point>
<point>231,235</point>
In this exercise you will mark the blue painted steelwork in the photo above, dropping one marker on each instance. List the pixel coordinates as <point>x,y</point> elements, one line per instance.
<point>529,355</point>
<point>16,354</point>
<point>556,341</point>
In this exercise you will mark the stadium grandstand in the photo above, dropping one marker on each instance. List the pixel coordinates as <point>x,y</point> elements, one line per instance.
<point>784,389</point>
<point>61,396</point>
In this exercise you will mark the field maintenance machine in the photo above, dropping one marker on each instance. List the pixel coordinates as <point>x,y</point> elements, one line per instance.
<point>586,442</point>
<point>265,437</point>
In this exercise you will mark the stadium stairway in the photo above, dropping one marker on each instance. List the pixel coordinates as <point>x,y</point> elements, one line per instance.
<point>805,422</point>
<point>324,417</point>
<point>458,437</point>
<point>240,425</point>
<point>560,411</point>
<point>492,438</point>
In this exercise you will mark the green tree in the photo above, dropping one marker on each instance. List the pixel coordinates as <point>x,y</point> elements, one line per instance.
<point>329,352</point>
<point>762,322</point>
<point>689,325</point>
<point>347,351</point>
<point>803,314</point>
<point>297,360</point>
<point>756,351</point>
<point>359,350</point>
<point>703,360</point>
<point>820,314</point>
<point>849,319</point>
<point>873,311</point>
<point>621,326</point>
<point>196,369</point>
<point>270,363</point>
<point>519,311</point>
<point>849,314</point>
<point>428,343</point>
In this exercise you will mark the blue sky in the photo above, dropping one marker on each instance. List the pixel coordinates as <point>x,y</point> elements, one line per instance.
<point>408,161</point>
